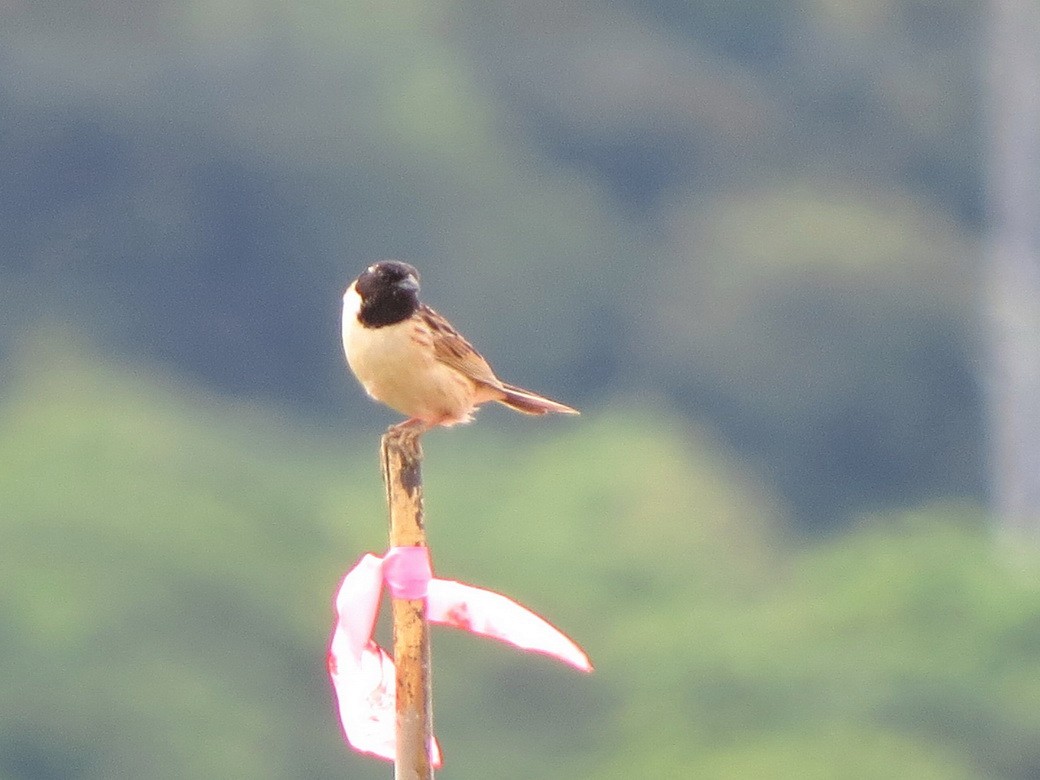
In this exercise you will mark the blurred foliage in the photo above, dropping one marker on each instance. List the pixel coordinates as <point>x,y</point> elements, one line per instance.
<point>763,213</point>
<point>169,559</point>
<point>818,328</point>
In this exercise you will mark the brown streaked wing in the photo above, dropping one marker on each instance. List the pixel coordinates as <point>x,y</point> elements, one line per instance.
<point>450,348</point>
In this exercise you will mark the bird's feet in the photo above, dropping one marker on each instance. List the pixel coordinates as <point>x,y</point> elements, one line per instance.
<point>410,429</point>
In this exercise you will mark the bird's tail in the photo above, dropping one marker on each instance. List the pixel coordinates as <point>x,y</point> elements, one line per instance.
<point>531,403</point>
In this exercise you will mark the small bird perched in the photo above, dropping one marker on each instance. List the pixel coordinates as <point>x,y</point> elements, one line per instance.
<point>410,358</point>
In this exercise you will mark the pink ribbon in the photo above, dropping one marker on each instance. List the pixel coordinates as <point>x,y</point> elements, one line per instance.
<point>363,673</point>
<point>407,572</point>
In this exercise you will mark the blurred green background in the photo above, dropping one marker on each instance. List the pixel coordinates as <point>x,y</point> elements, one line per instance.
<point>742,236</point>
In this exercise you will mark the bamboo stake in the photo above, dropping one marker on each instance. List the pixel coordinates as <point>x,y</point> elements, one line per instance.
<point>402,475</point>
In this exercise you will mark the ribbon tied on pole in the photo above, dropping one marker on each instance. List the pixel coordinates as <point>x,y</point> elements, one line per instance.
<point>363,673</point>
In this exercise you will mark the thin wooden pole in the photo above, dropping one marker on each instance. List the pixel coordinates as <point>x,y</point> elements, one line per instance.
<point>402,474</point>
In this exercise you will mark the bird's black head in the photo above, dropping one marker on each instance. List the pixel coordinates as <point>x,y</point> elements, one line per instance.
<point>389,292</point>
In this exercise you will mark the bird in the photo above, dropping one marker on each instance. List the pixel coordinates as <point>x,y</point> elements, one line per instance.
<point>410,358</point>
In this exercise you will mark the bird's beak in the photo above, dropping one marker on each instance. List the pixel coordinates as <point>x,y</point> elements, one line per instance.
<point>409,284</point>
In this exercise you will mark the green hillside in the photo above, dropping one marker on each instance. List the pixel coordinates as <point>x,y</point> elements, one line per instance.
<point>768,215</point>
<point>169,559</point>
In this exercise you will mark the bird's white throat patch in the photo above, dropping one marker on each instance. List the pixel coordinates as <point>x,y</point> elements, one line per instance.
<point>351,303</point>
